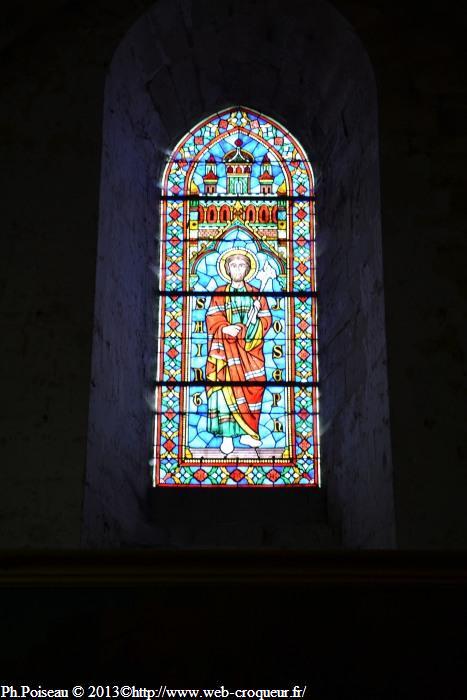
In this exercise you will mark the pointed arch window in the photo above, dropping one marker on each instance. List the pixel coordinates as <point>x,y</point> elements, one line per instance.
<point>237,370</point>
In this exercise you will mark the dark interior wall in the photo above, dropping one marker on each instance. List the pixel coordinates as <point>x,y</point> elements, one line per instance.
<point>423,107</point>
<point>53,75</point>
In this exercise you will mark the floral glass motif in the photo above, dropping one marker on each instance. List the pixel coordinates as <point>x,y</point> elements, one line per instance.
<point>236,388</point>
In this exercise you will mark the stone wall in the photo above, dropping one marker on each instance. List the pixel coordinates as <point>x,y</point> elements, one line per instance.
<point>159,87</point>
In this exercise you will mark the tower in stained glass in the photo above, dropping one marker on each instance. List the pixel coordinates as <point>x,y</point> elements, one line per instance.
<point>236,387</point>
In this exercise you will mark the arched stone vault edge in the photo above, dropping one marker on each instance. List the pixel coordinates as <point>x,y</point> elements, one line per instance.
<point>329,102</point>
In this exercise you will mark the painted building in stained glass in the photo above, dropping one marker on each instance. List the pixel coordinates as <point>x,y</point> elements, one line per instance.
<point>237,373</point>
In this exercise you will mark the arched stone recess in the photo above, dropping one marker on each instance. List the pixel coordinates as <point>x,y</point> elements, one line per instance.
<point>303,65</point>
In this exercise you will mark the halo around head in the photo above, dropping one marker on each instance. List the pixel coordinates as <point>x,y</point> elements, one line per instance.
<point>237,251</point>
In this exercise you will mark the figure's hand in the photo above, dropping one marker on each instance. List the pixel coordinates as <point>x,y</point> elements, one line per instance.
<point>231,330</point>
<point>257,305</point>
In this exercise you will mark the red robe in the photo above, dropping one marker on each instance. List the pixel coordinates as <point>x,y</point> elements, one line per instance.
<point>238,359</point>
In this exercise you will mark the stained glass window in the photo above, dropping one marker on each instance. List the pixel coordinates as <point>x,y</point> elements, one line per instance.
<point>237,374</point>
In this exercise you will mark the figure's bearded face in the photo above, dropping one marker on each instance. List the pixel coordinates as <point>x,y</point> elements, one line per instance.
<point>238,268</point>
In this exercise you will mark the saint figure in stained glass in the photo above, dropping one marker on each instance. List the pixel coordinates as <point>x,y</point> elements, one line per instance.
<point>237,321</point>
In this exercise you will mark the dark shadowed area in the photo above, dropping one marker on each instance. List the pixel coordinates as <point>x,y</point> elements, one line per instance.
<point>93,95</point>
